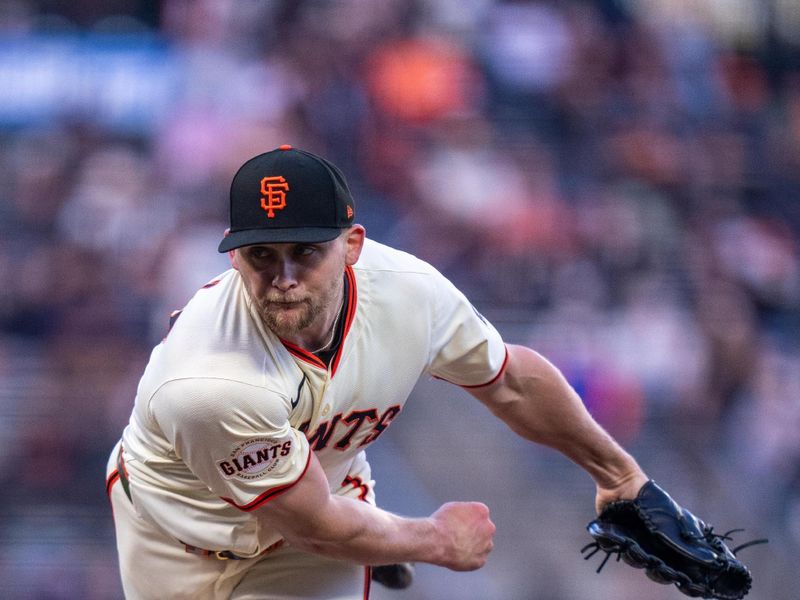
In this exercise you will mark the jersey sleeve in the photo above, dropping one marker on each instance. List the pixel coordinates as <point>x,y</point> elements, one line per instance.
<point>465,348</point>
<point>234,437</point>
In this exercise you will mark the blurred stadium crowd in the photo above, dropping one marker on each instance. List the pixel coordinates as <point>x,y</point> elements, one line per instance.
<point>613,182</point>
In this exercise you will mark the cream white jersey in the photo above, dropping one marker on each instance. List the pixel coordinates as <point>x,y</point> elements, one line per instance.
<point>227,414</point>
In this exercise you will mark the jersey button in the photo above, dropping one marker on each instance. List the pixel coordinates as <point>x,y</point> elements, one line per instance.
<point>326,409</point>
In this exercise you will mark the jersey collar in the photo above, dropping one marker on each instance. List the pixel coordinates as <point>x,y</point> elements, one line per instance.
<point>349,308</point>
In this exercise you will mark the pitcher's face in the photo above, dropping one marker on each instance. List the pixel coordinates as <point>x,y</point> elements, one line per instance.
<point>297,286</point>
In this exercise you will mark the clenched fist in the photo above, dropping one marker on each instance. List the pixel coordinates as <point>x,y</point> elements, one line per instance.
<point>466,533</point>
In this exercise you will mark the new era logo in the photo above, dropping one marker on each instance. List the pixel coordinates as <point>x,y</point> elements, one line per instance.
<point>273,190</point>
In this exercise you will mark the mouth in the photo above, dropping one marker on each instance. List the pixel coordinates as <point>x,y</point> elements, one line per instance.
<point>282,305</point>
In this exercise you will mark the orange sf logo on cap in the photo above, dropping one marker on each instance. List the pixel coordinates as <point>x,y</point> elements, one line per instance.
<point>274,194</point>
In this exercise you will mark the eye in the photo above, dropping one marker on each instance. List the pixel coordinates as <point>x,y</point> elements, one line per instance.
<point>258,255</point>
<point>304,250</point>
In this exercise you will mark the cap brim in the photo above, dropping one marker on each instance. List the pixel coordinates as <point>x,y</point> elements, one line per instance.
<point>249,237</point>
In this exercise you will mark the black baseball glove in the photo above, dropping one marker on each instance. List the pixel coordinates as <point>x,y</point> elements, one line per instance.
<point>652,532</point>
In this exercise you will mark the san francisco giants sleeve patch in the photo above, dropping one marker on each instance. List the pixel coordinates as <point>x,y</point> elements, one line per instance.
<point>255,458</point>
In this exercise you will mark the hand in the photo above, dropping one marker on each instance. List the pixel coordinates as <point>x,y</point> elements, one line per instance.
<point>466,533</point>
<point>626,488</point>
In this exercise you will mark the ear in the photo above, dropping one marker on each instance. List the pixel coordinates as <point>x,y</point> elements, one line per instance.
<point>354,241</point>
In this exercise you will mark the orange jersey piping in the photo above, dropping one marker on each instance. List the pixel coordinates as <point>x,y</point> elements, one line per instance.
<point>303,354</point>
<point>480,385</point>
<point>495,378</point>
<point>352,302</point>
<point>367,581</point>
<point>112,479</point>
<point>350,312</point>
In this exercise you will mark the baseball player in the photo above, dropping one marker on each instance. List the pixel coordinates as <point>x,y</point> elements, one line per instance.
<point>242,472</point>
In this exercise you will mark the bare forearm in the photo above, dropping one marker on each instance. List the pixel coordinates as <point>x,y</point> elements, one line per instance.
<point>359,532</point>
<point>536,401</point>
<point>457,536</point>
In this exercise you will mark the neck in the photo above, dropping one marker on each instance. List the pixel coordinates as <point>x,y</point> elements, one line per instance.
<point>323,337</point>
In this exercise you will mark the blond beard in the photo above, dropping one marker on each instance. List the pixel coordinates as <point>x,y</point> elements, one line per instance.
<point>290,326</point>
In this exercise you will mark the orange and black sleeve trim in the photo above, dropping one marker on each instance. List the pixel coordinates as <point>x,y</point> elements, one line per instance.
<point>112,479</point>
<point>480,385</point>
<point>493,379</point>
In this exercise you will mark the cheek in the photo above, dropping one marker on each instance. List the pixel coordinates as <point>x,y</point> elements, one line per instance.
<point>332,283</point>
<point>256,284</point>
<point>329,276</point>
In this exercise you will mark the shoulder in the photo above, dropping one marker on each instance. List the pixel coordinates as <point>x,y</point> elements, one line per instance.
<point>201,399</point>
<point>216,349</point>
<point>391,269</point>
<point>215,390</point>
<point>390,277</point>
<point>214,336</point>
<point>387,272</point>
<point>379,257</point>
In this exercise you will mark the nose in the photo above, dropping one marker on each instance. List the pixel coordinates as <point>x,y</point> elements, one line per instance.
<point>285,276</point>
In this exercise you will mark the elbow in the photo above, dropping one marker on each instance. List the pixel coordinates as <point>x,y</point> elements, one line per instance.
<point>307,544</point>
<point>320,544</point>
<point>311,541</point>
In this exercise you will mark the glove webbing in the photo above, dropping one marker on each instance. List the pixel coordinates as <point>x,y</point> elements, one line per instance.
<point>656,568</point>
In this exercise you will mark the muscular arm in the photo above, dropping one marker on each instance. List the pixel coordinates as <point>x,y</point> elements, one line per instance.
<point>533,399</point>
<point>457,536</point>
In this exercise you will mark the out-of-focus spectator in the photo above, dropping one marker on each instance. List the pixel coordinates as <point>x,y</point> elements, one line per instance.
<point>614,183</point>
<point>422,80</point>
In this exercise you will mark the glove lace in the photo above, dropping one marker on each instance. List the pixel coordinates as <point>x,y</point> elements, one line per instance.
<point>595,548</point>
<point>715,538</point>
<point>671,544</point>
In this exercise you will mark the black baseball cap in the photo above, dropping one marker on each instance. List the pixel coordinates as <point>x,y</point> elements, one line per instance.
<point>287,195</point>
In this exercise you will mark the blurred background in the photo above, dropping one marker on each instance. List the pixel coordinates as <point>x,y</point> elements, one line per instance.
<point>612,182</point>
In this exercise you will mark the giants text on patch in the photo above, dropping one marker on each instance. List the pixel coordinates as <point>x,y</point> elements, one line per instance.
<point>254,459</point>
